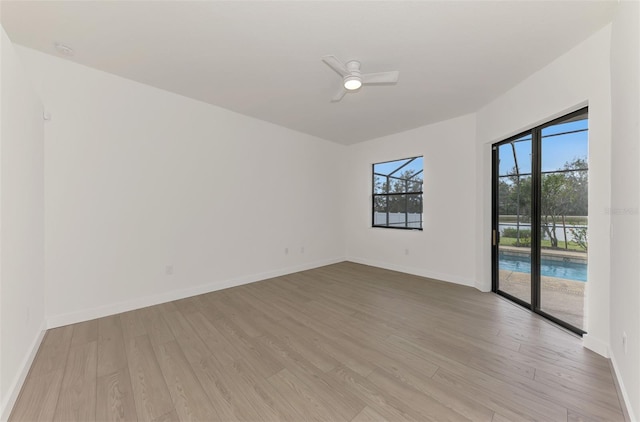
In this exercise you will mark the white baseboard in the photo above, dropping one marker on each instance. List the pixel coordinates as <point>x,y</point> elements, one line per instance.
<point>16,384</point>
<point>595,345</point>
<point>414,271</point>
<point>623,390</point>
<point>129,305</point>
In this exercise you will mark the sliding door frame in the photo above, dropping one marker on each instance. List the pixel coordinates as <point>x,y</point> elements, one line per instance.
<point>536,220</point>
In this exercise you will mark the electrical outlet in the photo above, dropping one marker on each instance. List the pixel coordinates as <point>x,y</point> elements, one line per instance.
<point>301,249</point>
<point>406,251</point>
<point>168,270</point>
<point>286,251</point>
<point>624,341</point>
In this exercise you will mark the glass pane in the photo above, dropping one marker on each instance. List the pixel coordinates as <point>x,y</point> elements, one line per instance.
<point>413,210</point>
<point>389,167</point>
<point>514,219</point>
<point>397,193</point>
<point>515,157</point>
<point>412,184</point>
<point>564,220</point>
<point>565,146</point>
<point>399,168</point>
<point>515,241</point>
<point>379,183</point>
<point>404,211</point>
<point>380,210</point>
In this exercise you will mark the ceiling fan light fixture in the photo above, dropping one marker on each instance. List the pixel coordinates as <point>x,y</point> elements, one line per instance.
<point>353,78</point>
<point>351,83</point>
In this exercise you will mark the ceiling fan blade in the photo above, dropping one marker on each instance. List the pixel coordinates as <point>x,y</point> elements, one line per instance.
<point>339,96</point>
<point>381,77</point>
<point>337,65</point>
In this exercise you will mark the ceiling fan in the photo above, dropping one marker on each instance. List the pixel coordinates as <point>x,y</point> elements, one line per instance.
<point>353,79</point>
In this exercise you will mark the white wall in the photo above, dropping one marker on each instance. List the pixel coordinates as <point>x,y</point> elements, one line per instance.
<point>625,199</point>
<point>21,225</point>
<point>577,78</point>
<point>138,179</point>
<point>445,248</point>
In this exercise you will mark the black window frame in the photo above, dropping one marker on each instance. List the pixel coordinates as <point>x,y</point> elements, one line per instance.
<point>536,216</point>
<point>388,194</point>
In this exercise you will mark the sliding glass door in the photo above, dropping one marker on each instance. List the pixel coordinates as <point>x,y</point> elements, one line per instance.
<point>540,219</point>
<point>513,201</point>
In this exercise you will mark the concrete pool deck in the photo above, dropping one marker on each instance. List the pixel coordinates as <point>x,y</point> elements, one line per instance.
<point>546,253</point>
<point>562,298</point>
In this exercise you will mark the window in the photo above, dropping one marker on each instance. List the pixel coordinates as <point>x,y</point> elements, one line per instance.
<point>397,194</point>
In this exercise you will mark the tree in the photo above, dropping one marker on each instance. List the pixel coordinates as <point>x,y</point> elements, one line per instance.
<point>515,199</point>
<point>380,186</point>
<point>554,204</point>
<point>580,236</point>
<point>563,194</point>
<point>408,187</point>
<point>410,184</point>
<point>404,183</point>
<point>578,186</point>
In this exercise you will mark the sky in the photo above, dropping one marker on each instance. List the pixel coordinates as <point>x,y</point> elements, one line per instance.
<point>387,167</point>
<point>556,150</point>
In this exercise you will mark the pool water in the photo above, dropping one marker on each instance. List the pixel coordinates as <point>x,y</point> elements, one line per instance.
<point>548,267</point>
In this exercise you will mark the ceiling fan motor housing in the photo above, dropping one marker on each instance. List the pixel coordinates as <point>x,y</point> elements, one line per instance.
<point>353,81</point>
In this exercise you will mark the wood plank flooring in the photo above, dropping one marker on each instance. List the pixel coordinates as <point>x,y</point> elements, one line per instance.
<point>346,342</point>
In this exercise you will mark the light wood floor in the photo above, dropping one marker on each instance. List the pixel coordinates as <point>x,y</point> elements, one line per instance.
<point>344,342</point>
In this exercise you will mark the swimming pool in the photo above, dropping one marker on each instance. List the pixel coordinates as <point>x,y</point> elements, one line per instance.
<point>551,268</point>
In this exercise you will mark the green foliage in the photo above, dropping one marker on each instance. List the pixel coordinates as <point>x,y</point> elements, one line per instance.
<point>515,196</point>
<point>513,232</point>
<point>406,183</point>
<point>562,194</point>
<point>523,242</point>
<point>522,237</point>
<point>545,244</point>
<point>580,236</point>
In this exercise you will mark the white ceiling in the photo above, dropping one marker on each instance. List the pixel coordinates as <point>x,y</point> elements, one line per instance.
<point>263,58</point>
